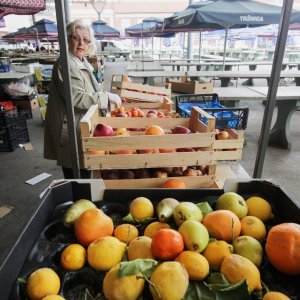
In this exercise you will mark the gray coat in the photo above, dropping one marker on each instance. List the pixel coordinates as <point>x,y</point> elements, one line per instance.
<point>56,137</point>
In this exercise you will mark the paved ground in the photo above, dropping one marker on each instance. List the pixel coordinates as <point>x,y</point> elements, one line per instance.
<point>19,166</point>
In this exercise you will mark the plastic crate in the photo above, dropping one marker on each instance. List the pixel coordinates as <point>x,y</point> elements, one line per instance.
<point>14,132</point>
<point>26,110</point>
<point>226,117</point>
<point>8,116</point>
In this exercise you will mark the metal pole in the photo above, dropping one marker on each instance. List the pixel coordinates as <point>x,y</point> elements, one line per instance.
<point>37,37</point>
<point>200,44</point>
<point>190,42</point>
<point>225,45</point>
<point>272,91</point>
<point>63,46</point>
<point>67,11</point>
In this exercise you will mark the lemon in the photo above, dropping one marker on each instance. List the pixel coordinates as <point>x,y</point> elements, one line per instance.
<point>237,268</point>
<point>105,252</point>
<point>259,208</point>
<point>195,264</point>
<point>140,248</point>
<point>126,233</point>
<point>73,257</point>
<point>53,297</point>
<point>275,296</point>
<point>253,226</point>
<point>123,288</point>
<point>216,251</point>
<point>171,281</point>
<point>141,208</point>
<point>42,282</point>
<point>151,229</point>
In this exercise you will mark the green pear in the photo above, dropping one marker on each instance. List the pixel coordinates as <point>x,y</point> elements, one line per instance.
<point>187,211</point>
<point>165,209</point>
<point>195,235</point>
<point>248,247</point>
<point>233,202</point>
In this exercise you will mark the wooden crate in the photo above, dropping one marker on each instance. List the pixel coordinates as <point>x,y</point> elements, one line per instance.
<point>166,106</point>
<point>202,136</point>
<point>186,86</point>
<point>140,92</point>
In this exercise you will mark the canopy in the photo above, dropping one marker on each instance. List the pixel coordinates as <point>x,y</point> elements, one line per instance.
<point>226,13</point>
<point>21,7</point>
<point>102,30</point>
<point>41,29</point>
<point>148,28</point>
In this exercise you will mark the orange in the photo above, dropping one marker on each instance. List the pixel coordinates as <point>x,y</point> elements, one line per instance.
<point>173,184</point>
<point>283,248</point>
<point>73,257</point>
<point>154,130</point>
<point>126,233</point>
<point>167,244</point>
<point>42,282</point>
<point>53,297</point>
<point>153,227</point>
<point>222,224</point>
<point>91,225</point>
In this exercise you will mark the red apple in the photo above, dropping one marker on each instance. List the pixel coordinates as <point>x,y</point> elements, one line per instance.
<point>180,130</point>
<point>103,130</point>
<point>123,152</point>
<point>152,112</point>
<point>121,114</point>
<point>160,114</point>
<point>96,152</point>
<point>185,150</point>
<point>167,150</point>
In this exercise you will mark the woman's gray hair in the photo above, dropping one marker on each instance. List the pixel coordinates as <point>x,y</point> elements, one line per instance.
<point>81,24</point>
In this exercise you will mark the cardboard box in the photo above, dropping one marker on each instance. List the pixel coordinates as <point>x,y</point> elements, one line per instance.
<point>24,68</point>
<point>33,248</point>
<point>43,73</point>
<point>187,86</point>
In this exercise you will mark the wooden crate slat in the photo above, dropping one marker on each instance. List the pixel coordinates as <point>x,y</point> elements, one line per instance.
<point>229,155</point>
<point>191,182</point>
<point>168,141</point>
<point>139,96</point>
<point>154,160</point>
<point>228,144</point>
<point>140,87</point>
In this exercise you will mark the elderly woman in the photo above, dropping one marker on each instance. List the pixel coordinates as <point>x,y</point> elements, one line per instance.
<point>85,91</point>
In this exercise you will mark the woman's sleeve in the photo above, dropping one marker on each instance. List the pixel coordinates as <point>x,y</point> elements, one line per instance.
<point>82,98</point>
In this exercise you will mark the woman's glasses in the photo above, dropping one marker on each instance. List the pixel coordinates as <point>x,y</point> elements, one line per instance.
<point>78,38</point>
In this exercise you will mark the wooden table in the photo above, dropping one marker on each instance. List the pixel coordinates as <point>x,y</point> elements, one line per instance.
<point>224,76</point>
<point>287,102</point>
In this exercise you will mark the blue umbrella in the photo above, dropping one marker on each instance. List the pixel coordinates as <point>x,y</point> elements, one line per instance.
<point>221,14</point>
<point>102,30</point>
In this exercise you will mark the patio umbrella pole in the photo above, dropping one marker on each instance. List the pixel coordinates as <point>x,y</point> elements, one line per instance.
<point>61,28</point>
<point>225,46</point>
<point>273,86</point>
<point>200,45</point>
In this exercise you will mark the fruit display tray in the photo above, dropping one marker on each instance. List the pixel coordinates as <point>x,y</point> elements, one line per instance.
<point>43,238</point>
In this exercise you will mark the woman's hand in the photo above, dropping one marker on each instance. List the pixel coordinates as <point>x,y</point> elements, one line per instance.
<point>114,98</point>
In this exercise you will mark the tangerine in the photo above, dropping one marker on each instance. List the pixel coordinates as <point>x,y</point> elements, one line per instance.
<point>91,225</point>
<point>73,257</point>
<point>126,233</point>
<point>223,224</point>
<point>153,227</point>
<point>140,248</point>
<point>154,130</point>
<point>141,208</point>
<point>174,184</point>
<point>282,248</point>
<point>167,244</point>
<point>275,296</point>
<point>42,282</point>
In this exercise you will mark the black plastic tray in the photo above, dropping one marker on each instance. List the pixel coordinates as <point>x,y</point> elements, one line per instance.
<point>44,236</point>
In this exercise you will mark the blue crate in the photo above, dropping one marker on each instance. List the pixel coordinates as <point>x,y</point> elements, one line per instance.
<point>235,118</point>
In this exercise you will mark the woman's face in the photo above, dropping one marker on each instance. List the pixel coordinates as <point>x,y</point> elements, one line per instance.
<point>78,42</point>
